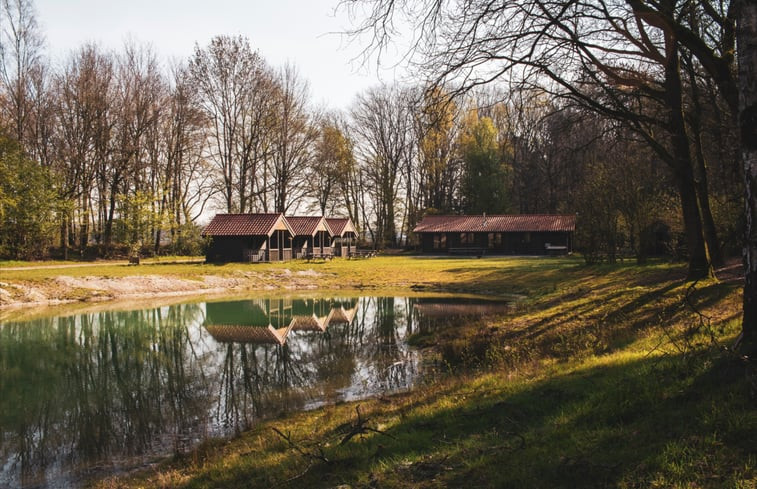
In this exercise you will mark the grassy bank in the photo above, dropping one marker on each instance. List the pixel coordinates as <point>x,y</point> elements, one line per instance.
<point>37,285</point>
<point>609,376</point>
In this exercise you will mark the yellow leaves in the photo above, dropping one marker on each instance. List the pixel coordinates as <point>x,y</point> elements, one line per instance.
<point>437,120</point>
<point>335,149</point>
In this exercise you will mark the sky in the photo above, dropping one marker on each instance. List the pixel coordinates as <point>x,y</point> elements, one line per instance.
<point>304,33</point>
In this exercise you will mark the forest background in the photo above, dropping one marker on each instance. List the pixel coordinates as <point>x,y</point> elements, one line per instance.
<point>115,151</point>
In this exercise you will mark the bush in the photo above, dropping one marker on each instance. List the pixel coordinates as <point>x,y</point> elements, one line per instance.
<point>27,205</point>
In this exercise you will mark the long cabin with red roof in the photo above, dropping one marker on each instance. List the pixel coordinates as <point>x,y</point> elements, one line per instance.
<point>522,234</point>
<point>275,237</point>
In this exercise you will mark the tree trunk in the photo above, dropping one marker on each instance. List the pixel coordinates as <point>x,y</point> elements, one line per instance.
<point>708,222</point>
<point>699,264</point>
<point>747,49</point>
<point>108,238</point>
<point>700,174</point>
<point>64,236</point>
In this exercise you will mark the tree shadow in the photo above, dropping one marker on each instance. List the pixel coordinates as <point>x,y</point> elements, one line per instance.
<point>655,420</point>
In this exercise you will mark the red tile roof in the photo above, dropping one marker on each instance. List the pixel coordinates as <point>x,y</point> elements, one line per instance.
<point>305,225</point>
<point>310,323</point>
<point>228,333</point>
<point>340,225</point>
<point>242,225</point>
<point>496,223</point>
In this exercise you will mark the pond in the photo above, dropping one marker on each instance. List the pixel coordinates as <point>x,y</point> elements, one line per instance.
<point>87,395</point>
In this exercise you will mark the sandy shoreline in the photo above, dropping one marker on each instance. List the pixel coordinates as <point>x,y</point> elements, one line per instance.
<point>66,289</point>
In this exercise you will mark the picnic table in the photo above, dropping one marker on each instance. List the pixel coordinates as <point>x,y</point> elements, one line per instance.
<point>316,255</point>
<point>362,254</point>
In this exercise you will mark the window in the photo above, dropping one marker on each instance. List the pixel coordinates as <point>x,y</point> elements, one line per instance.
<point>495,240</point>
<point>440,241</point>
<point>466,238</point>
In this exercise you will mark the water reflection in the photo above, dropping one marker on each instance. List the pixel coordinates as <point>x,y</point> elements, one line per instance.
<point>82,396</point>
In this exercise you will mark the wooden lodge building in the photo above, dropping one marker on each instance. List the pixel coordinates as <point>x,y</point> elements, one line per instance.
<point>312,236</point>
<point>343,235</point>
<point>249,238</point>
<point>525,234</point>
<point>274,237</point>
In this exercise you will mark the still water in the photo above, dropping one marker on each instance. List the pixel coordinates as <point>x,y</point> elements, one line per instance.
<point>88,395</point>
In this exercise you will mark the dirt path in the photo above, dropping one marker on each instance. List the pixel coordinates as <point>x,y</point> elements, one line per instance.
<point>85,265</point>
<point>732,271</point>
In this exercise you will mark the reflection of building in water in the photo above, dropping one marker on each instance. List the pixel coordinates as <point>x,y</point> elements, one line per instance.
<point>269,321</point>
<point>230,333</point>
<point>343,315</point>
<point>250,321</point>
<point>310,315</point>
<point>443,309</point>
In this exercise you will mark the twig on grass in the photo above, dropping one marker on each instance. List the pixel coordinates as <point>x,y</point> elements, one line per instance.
<point>317,454</point>
<point>359,428</point>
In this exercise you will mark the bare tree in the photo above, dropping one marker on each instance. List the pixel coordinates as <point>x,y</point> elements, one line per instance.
<point>628,49</point>
<point>225,76</point>
<point>21,44</point>
<point>137,105</point>
<point>293,134</point>
<point>84,92</point>
<point>186,177</point>
<point>383,127</point>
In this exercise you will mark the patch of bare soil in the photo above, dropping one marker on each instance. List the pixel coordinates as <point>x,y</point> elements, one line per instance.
<point>65,288</point>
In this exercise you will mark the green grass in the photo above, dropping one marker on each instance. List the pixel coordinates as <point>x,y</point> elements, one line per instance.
<point>599,377</point>
<point>493,276</point>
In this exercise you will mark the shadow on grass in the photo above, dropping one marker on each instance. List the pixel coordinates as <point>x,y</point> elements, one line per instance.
<point>575,321</point>
<point>658,422</point>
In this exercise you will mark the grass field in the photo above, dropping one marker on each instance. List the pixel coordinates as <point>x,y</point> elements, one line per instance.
<point>496,276</point>
<point>606,376</point>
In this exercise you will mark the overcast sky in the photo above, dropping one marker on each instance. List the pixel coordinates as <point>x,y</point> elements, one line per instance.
<point>281,30</point>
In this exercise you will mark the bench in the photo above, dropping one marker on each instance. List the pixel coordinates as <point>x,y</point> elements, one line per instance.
<point>471,251</point>
<point>555,249</point>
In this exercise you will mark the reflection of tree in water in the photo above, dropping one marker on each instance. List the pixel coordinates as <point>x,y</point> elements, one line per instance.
<point>333,349</point>
<point>260,377</point>
<point>96,388</point>
<point>390,363</point>
<point>255,380</point>
<point>97,385</point>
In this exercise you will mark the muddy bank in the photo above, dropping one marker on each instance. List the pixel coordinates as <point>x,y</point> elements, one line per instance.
<point>67,289</point>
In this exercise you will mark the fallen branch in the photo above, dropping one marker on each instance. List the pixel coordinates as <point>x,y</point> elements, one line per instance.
<point>360,428</point>
<point>311,455</point>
